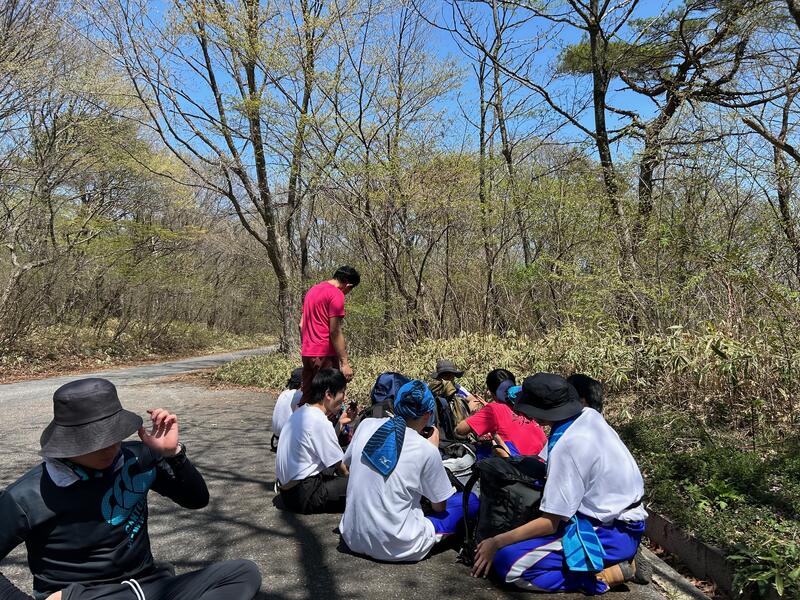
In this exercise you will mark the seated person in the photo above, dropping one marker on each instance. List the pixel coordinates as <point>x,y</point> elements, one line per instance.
<point>592,476</point>
<point>514,434</point>
<point>82,513</point>
<point>442,383</point>
<point>590,391</point>
<point>392,467</point>
<point>309,468</point>
<point>287,402</point>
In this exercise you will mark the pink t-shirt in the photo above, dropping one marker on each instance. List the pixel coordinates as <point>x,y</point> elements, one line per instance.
<point>497,417</point>
<point>322,302</point>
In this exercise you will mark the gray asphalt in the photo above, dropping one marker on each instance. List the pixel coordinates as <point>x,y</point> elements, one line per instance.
<point>227,435</point>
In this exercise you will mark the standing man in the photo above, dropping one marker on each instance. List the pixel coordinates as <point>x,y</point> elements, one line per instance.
<point>321,332</point>
<point>82,513</point>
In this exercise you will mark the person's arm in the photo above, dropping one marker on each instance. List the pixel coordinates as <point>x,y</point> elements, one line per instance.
<point>463,429</point>
<point>14,528</point>
<point>499,446</point>
<point>479,423</point>
<point>342,468</point>
<point>180,481</point>
<point>176,477</point>
<point>542,526</point>
<point>8,591</point>
<point>300,325</point>
<point>337,341</point>
<point>435,484</point>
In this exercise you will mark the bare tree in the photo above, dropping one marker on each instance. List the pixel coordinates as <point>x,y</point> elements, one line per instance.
<point>233,90</point>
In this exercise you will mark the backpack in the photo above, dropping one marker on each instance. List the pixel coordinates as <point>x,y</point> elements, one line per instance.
<point>510,492</point>
<point>382,396</point>
<point>459,460</point>
<point>449,413</point>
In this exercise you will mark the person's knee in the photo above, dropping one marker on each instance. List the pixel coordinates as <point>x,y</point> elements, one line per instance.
<point>246,572</point>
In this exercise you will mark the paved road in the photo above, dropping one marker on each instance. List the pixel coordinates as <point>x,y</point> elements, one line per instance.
<point>227,435</point>
<point>38,390</point>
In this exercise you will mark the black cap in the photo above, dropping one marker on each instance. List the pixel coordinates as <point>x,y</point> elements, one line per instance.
<point>549,397</point>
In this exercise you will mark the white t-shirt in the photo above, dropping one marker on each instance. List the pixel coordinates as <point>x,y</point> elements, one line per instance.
<point>307,445</point>
<point>383,518</point>
<point>285,405</point>
<point>590,471</point>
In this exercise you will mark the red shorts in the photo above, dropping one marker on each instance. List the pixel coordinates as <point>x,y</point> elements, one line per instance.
<point>311,366</point>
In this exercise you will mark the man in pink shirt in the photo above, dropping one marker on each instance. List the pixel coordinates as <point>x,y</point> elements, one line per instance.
<point>321,333</point>
<point>514,433</point>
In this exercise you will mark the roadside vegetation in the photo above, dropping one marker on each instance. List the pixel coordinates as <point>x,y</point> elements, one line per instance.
<point>712,421</point>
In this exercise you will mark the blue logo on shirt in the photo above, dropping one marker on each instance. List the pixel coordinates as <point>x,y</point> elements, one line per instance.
<point>126,500</point>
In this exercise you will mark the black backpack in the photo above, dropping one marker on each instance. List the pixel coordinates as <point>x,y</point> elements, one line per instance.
<point>510,492</point>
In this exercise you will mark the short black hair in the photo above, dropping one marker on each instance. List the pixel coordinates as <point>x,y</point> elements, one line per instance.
<point>295,379</point>
<point>496,377</point>
<point>347,274</point>
<point>326,380</point>
<point>589,390</point>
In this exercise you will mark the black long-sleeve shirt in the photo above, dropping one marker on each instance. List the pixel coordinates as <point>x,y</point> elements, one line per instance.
<point>94,530</point>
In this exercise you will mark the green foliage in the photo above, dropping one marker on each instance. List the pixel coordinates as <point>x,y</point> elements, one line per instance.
<point>773,564</point>
<point>745,502</point>
<point>620,56</point>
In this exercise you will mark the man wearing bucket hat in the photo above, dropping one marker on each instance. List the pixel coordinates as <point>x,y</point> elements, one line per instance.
<point>82,513</point>
<point>442,382</point>
<point>592,515</point>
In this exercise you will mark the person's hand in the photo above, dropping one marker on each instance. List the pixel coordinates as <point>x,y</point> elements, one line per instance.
<point>434,437</point>
<point>349,414</point>
<point>484,555</point>
<point>56,596</point>
<point>163,436</point>
<point>347,371</point>
<point>475,403</point>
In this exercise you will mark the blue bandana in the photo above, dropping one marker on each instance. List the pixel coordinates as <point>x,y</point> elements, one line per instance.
<point>382,451</point>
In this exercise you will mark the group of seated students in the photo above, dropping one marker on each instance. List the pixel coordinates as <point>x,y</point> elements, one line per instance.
<point>399,501</point>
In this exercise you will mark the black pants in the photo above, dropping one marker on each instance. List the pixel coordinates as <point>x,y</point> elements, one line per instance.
<point>228,580</point>
<point>323,493</point>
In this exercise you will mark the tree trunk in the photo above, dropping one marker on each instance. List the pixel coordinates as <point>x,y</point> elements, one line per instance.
<point>600,80</point>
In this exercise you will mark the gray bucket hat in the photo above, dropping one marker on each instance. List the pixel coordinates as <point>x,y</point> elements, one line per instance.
<point>444,366</point>
<point>87,416</point>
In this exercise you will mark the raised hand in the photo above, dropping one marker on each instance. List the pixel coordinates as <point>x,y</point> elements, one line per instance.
<point>163,435</point>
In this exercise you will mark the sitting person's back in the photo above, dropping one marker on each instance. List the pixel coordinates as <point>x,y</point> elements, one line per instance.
<point>392,467</point>
<point>287,402</point>
<point>383,517</point>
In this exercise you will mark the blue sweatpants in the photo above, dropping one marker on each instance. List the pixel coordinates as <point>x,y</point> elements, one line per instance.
<point>451,519</point>
<point>538,564</point>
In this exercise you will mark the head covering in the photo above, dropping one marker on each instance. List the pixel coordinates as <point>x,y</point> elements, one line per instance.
<point>549,397</point>
<point>382,450</point>
<point>87,416</point>
<point>296,379</point>
<point>502,392</point>
<point>444,366</point>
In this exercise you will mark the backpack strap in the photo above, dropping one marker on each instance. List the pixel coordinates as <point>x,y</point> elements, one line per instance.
<point>467,553</point>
